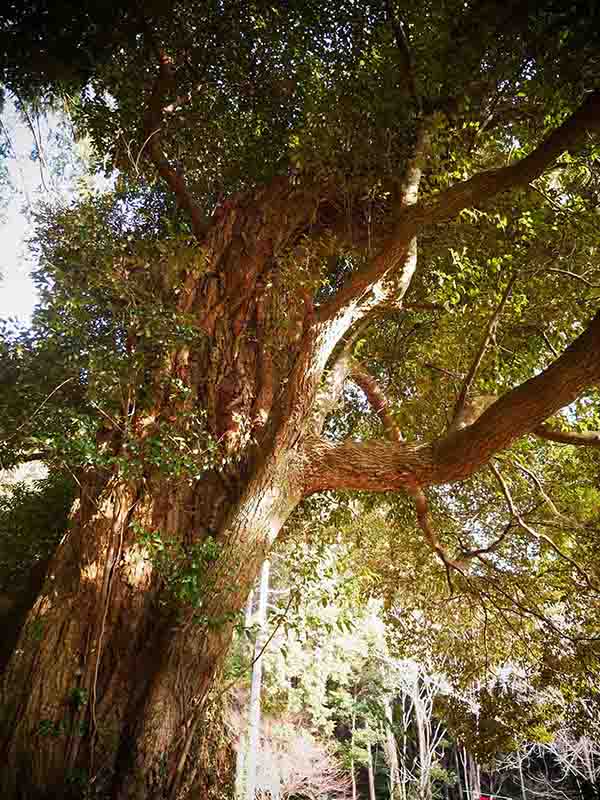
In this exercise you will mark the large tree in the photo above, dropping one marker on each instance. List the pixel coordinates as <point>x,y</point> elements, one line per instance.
<point>275,165</point>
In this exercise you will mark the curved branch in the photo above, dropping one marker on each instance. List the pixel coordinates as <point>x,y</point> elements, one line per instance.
<point>377,400</point>
<point>397,257</point>
<point>448,203</point>
<point>153,146</point>
<point>431,537</point>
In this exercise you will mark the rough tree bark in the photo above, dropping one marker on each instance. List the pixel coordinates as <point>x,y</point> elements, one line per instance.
<point>108,680</point>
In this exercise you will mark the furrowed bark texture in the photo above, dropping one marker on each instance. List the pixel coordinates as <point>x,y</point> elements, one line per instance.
<point>107,685</point>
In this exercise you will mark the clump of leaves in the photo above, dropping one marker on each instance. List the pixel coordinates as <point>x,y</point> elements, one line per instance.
<point>183,568</point>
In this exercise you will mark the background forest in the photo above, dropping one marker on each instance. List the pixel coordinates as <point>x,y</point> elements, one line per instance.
<point>300,450</point>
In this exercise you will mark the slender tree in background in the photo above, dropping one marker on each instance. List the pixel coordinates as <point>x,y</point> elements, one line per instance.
<point>276,166</point>
<point>254,728</point>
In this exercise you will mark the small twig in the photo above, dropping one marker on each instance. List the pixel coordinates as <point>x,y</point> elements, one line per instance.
<point>37,141</point>
<point>112,420</point>
<point>576,276</point>
<point>547,499</point>
<point>469,554</point>
<point>551,347</point>
<point>454,375</point>
<point>136,161</point>
<point>472,373</point>
<point>536,534</point>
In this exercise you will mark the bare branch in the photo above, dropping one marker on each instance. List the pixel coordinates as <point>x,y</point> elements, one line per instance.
<point>526,407</point>
<point>469,554</point>
<point>549,344</point>
<point>576,276</point>
<point>472,373</point>
<point>153,145</point>
<point>448,373</point>
<point>39,408</point>
<point>579,439</point>
<point>43,164</point>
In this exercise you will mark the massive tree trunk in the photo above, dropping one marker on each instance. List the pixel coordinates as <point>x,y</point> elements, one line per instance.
<point>111,672</point>
<point>106,687</point>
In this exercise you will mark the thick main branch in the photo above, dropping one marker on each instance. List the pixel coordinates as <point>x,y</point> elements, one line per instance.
<point>388,466</point>
<point>449,203</point>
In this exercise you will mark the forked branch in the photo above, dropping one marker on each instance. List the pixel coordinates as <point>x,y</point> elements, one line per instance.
<point>404,224</point>
<point>389,273</point>
<point>381,466</point>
